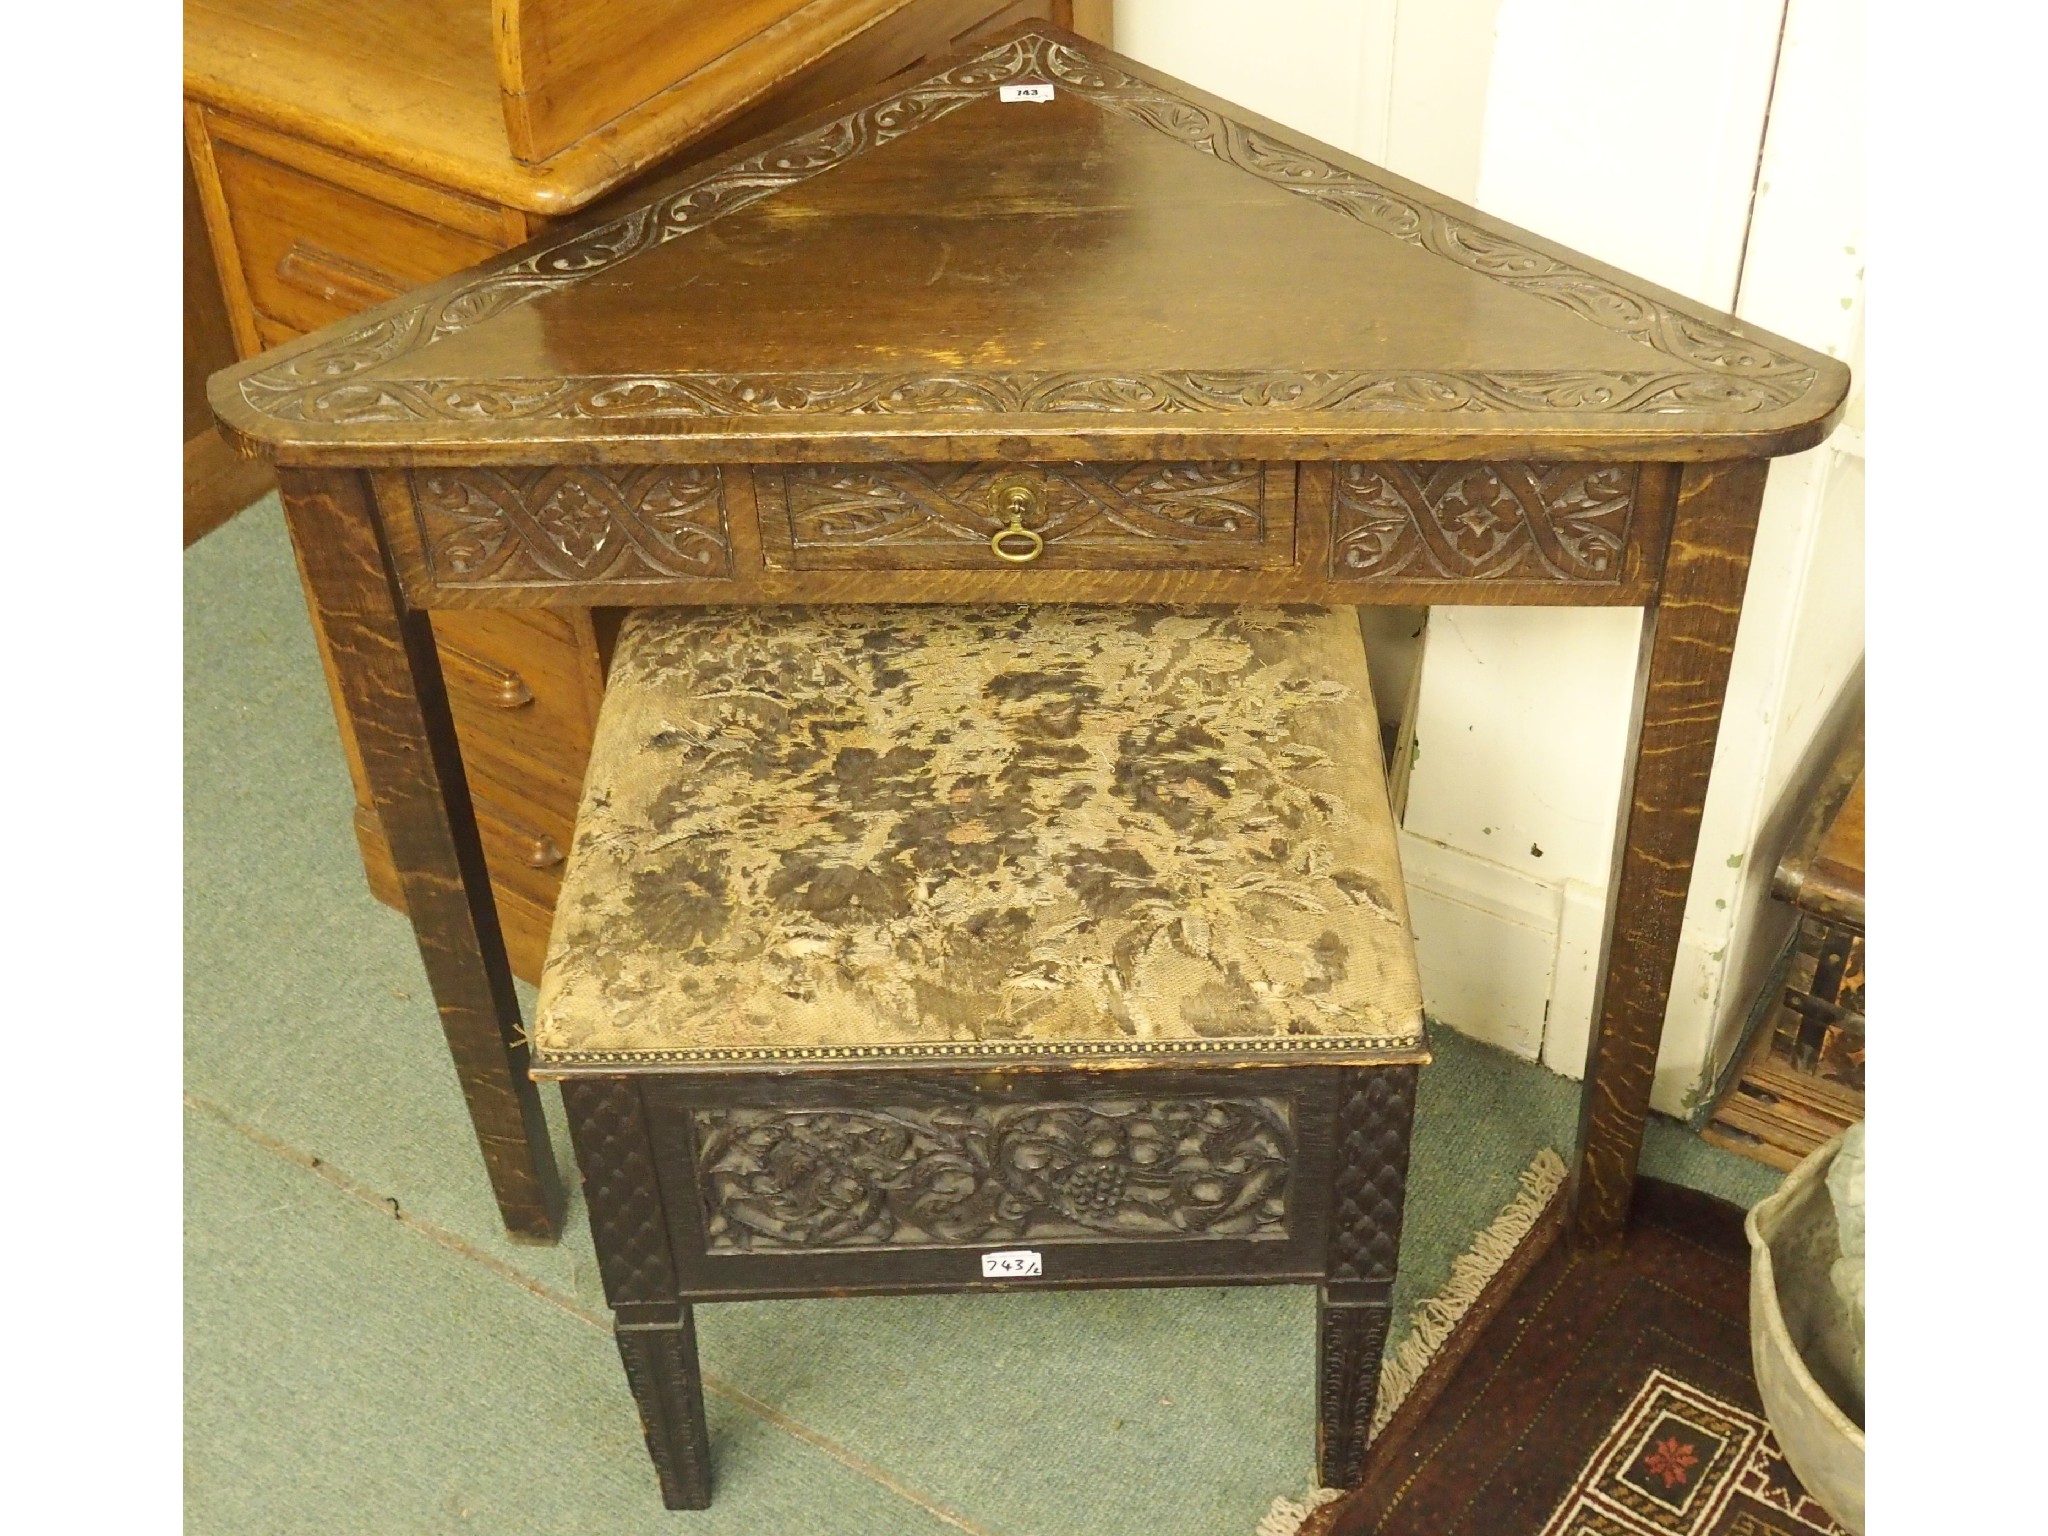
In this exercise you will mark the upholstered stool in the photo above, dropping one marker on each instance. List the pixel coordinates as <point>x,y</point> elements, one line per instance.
<point>937,949</point>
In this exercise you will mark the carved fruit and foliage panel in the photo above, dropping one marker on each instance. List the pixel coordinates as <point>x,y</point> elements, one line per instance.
<point>973,1171</point>
<point>504,527</point>
<point>944,514</point>
<point>1465,522</point>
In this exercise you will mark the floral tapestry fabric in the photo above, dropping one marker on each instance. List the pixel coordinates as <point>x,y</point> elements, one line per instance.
<point>935,832</point>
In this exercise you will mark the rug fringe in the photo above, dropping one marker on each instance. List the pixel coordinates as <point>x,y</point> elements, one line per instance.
<point>1437,1318</point>
<point>1286,1516</point>
<point>1432,1323</point>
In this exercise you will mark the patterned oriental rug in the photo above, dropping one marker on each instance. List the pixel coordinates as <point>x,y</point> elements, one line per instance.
<point>1596,1397</point>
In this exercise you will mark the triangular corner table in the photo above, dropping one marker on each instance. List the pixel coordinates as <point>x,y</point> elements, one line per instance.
<point>1125,344</point>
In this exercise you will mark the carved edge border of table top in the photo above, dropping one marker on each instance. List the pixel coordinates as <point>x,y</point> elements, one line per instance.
<point>329,384</point>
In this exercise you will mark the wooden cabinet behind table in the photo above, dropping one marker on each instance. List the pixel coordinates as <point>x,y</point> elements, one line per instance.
<point>345,151</point>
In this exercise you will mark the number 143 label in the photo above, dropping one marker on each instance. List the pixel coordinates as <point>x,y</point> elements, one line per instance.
<point>1013,1264</point>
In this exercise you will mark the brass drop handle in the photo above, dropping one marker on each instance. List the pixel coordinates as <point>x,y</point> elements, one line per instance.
<point>1013,542</point>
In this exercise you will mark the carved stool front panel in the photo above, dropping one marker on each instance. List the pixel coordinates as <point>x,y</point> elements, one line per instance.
<point>947,1171</point>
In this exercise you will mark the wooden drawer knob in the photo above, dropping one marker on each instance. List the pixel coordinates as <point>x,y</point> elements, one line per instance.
<point>512,692</point>
<point>501,685</point>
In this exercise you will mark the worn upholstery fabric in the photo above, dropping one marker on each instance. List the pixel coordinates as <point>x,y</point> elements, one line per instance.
<point>943,832</point>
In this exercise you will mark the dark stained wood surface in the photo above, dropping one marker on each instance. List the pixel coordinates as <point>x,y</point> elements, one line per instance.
<point>989,1157</point>
<point>386,665</point>
<point>1132,270</point>
<point>1480,533</point>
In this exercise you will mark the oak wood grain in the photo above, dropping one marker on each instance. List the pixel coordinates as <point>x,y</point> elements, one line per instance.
<point>566,67</point>
<point>419,85</point>
<point>1682,679</point>
<point>218,481</point>
<point>388,672</point>
<point>289,225</point>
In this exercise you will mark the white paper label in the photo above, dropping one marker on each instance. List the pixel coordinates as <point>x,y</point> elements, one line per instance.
<point>1024,92</point>
<point>1014,1264</point>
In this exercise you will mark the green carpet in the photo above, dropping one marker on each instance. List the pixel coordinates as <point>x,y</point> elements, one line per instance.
<point>366,1352</point>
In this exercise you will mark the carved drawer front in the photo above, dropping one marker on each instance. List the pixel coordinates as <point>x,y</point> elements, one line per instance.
<point>940,1170</point>
<point>566,525</point>
<point>1034,516</point>
<point>1421,522</point>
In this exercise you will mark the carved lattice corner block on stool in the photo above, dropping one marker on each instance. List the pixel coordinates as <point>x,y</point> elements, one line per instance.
<point>926,948</point>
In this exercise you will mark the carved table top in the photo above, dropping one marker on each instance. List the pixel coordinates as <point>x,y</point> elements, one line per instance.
<point>1130,270</point>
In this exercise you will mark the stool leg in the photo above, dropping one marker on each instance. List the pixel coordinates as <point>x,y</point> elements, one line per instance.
<point>661,1366</point>
<point>1369,1178</point>
<point>608,1122</point>
<point>1350,1342</point>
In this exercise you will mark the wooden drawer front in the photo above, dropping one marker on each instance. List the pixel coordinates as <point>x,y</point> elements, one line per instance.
<point>313,253</point>
<point>1088,516</point>
<point>521,684</point>
<point>543,527</point>
<point>1422,522</point>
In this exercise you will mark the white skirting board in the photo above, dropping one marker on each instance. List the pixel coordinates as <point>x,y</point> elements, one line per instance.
<point>1514,962</point>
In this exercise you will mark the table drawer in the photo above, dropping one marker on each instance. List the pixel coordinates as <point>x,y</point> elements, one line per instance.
<point>520,675</point>
<point>990,516</point>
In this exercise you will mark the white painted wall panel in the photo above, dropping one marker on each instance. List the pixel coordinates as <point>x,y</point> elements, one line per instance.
<point>1629,129</point>
<point>1296,61</point>
<point>1398,82</point>
<point>1442,62</point>
<point>1520,733</point>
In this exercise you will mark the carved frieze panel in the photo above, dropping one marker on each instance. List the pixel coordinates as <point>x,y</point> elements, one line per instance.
<point>499,527</point>
<point>977,1172</point>
<point>909,515</point>
<point>1466,522</point>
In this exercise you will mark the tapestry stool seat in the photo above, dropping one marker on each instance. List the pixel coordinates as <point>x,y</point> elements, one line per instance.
<point>928,948</point>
